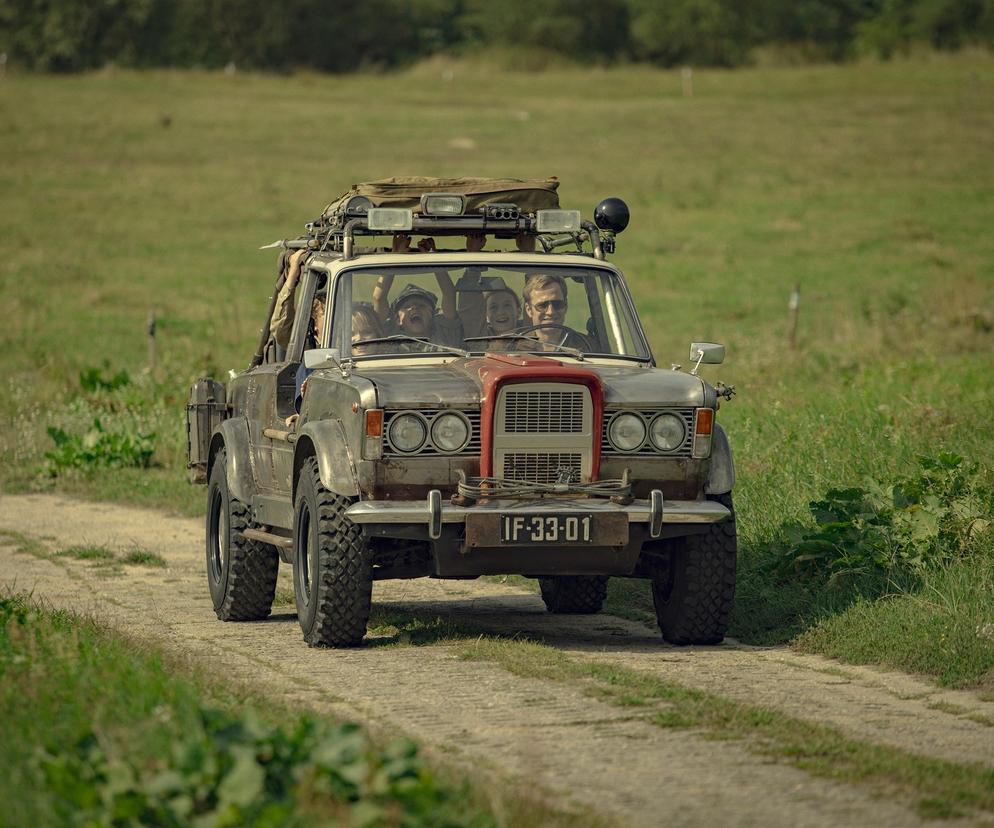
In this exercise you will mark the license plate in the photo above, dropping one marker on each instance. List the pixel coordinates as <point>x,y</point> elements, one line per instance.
<point>523,530</point>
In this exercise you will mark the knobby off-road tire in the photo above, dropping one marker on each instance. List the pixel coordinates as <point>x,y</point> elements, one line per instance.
<point>241,573</point>
<point>693,593</point>
<point>332,566</point>
<point>578,594</point>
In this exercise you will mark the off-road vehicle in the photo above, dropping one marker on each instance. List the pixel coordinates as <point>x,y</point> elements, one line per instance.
<point>543,441</point>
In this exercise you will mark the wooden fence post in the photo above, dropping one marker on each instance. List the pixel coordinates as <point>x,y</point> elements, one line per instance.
<point>794,307</point>
<point>151,342</point>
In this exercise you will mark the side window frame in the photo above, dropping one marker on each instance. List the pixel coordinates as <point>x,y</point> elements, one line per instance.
<point>301,320</point>
<point>340,321</point>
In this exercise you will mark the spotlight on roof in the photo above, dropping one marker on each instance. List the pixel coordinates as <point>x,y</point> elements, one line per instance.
<point>612,214</point>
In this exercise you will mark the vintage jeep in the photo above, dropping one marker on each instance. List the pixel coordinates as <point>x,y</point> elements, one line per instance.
<point>542,441</point>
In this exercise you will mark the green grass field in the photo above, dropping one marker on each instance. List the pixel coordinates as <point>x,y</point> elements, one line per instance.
<point>871,185</point>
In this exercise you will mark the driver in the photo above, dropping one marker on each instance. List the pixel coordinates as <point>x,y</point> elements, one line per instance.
<point>545,309</point>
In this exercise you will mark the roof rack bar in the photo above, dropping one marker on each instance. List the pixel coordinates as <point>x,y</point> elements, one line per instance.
<point>464,224</point>
<point>595,238</point>
<point>348,241</point>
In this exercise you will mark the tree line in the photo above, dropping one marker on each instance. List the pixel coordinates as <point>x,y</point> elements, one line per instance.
<point>348,35</point>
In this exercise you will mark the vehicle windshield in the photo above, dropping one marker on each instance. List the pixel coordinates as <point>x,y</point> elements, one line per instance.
<point>444,308</point>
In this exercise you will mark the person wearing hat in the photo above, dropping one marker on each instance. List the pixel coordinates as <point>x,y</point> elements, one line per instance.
<point>415,311</point>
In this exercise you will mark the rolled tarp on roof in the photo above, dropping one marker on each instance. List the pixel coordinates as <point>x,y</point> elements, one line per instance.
<point>530,194</point>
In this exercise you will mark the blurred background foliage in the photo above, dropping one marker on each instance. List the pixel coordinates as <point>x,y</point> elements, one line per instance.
<point>329,36</point>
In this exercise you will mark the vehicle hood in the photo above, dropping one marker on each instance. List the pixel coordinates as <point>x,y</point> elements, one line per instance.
<point>460,383</point>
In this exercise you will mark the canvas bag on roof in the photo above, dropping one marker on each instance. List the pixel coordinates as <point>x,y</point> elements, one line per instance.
<point>530,194</point>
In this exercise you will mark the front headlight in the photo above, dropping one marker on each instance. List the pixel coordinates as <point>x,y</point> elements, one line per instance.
<point>450,432</point>
<point>667,432</point>
<point>408,432</point>
<point>627,432</point>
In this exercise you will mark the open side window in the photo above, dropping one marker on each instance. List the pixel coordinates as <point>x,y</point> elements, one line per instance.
<point>308,315</point>
<point>308,297</point>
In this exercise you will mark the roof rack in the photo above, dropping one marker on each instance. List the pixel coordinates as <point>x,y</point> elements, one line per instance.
<point>393,206</point>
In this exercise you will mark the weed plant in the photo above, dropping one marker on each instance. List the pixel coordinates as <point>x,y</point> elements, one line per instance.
<point>96,733</point>
<point>879,534</point>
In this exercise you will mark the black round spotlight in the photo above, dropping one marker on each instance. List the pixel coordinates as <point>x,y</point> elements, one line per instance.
<point>612,214</point>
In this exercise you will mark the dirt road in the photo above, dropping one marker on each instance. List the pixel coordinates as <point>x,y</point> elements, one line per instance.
<point>589,755</point>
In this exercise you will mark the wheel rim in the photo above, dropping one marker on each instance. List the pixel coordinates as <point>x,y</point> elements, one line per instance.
<point>219,536</point>
<point>302,566</point>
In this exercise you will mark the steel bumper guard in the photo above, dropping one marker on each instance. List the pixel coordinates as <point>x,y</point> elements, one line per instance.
<point>433,512</point>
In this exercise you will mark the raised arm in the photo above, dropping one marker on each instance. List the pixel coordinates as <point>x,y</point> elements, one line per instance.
<point>448,291</point>
<point>283,313</point>
<point>471,304</point>
<point>381,297</point>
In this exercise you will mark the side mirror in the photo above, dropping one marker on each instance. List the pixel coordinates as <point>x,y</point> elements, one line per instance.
<point>708,353</point>
<point>318,358</point>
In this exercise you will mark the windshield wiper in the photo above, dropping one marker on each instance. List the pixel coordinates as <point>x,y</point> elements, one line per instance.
<point>405,338</point>
<point>620,356</point>
<point>564,348</point>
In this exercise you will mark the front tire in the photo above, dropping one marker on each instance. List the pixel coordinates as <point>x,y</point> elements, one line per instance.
<point>332,566</point>
<point>694,590</point>
<point>241,573</point>
<point>574,594</point>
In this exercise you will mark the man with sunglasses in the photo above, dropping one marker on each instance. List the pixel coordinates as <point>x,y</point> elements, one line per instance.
<point>545,311</point>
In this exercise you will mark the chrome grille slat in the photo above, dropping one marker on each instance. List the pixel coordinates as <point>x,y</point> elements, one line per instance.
<point>648,449</point>
<point>472,448</point>
<point>540,467</point>
<point>531,412</point>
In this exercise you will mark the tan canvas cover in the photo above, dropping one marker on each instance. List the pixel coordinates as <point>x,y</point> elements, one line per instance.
<point>530,194</point>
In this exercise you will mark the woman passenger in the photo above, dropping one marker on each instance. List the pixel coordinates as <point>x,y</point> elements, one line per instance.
<point>365,325</point>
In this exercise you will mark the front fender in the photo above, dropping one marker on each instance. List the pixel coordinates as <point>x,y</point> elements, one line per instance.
<point>721,477</point>
<point>233,435</point>
<point>326,441</point>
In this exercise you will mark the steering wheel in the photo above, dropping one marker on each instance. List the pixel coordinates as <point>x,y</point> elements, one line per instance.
<point>529,328</point>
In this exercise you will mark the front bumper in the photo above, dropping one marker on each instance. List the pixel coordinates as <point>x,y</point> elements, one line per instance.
<point>434,513</point>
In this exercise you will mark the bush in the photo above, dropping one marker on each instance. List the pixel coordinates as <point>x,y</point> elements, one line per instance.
<point>702,32</point>
<point>98,447</point>
<point>876,534</point>
<point>236,770</point>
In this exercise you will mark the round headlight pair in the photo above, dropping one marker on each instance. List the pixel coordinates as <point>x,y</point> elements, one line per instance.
<point>409,432</point>
<point>627,432</point>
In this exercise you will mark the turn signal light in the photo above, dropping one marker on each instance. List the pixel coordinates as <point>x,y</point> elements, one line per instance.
<point>374,422</point>
<point>705,422</point>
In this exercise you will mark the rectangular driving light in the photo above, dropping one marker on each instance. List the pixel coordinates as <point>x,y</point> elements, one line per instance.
<point>558,221</point>
<point>442,204</point>
<point>389,219</point>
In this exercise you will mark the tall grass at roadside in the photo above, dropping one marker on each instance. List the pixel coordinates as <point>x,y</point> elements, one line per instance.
<point>944,628</point>
<point>96,732</point>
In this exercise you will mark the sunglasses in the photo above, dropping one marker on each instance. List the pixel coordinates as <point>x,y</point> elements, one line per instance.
<point>555,305</point>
